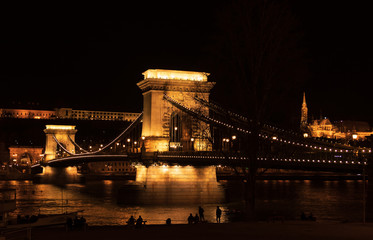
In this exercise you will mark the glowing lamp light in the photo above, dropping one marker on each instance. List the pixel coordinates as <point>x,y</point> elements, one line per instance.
<point>274,138</point>
<point>128,140</point>
<point>234,137</point>
<point>305,135</point>
<point>175,74</point>
<point>354,136</point>
<point>143,138</point>
<point>60,127</point>
<point>192,139</point>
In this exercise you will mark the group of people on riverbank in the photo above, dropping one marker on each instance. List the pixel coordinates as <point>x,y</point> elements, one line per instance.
<point>201,217</point>
<point>138,223</point>
<point>198,218</point>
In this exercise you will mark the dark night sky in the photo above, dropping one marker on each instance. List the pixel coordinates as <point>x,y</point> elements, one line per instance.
<point>91,57</point>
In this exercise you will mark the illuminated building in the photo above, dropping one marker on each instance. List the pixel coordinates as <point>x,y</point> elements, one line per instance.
<point>344,129</point>
<point>322,128</point>
<point>25,155</point>
<point>164,126</point>
<point>304,113</point>
<point>27,113</point>
<point>68,113</point>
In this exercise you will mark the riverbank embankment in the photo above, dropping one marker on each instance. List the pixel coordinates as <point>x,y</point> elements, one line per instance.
<point>229,231</point>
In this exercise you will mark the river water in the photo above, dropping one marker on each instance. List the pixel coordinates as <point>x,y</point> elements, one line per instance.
<point>108,202</point>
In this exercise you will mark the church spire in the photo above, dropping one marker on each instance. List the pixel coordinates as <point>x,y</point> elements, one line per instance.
<point>304,113</point>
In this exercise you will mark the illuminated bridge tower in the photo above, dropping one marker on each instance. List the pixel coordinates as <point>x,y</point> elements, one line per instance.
<point>164,126</point>
<point>63,134</point>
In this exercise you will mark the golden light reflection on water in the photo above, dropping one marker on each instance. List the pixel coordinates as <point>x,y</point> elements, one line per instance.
<point>178,185</point>
<point>63,175</point>
<point>327,200</point>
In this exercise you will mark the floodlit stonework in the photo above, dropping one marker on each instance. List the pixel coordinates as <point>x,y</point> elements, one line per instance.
<point>323,127</point>
<point>164,126</point>
<point>62,133</point>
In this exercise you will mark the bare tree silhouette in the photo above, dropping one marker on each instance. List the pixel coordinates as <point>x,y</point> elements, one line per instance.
<point>262,60</point>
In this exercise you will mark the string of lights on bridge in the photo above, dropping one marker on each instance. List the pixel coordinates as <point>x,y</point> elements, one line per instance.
<point>273,128</point>
<point>264,136</point>
<point>227,125</point>
<point>362,162</point>
<point>102,147</point>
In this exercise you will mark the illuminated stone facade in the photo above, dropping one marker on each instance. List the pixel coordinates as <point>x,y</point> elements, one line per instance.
<point>68,113</point>
<point>304,113</point>
<point>27,113</point>
<point>63,133</point>
<point>25,155</point>
<point>164,126</point>
<point>322,128</point>
<point>349,130</point>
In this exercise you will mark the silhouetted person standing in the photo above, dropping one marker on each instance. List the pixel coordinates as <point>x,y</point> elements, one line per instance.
<point>218,214</point>
<point>201,215</point>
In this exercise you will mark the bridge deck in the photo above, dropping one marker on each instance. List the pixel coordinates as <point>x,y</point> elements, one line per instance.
<point>218,158</point>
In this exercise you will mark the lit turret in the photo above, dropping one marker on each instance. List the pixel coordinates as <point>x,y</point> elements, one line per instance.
<point>304,112</point>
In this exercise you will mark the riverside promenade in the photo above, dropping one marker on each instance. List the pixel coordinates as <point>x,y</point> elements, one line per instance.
<point>229,231</point>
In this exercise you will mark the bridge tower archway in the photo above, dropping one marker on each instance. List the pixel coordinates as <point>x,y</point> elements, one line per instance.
<point>64,134</point>
<point>183,86</point>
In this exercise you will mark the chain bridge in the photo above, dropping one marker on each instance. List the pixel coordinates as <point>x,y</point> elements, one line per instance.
<point>179,125</point>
